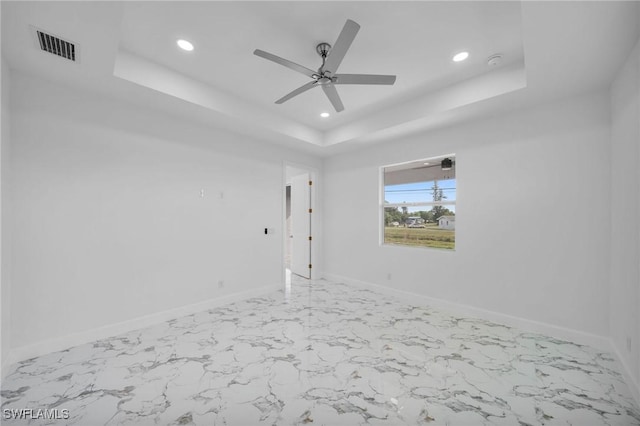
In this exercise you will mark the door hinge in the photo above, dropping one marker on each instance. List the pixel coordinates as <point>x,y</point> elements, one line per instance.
<point>310,210</point>
<point>309,266</point>
<point>310,237</point>
<point>310,183</point>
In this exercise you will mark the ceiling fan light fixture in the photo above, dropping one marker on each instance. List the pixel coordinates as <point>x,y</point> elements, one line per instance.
<point>324,114</point>
<point>185,45</point>
<point>459,57</point>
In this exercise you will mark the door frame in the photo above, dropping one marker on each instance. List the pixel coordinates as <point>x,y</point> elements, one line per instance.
<point>315,216</point>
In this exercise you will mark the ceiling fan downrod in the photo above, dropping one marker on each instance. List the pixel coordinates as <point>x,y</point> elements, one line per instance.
<point>323,51</point>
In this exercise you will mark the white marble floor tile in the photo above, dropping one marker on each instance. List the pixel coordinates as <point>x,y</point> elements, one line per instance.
<point>323,353</point>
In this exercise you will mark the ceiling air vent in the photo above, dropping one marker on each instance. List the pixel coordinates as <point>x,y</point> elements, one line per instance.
<point>56,45</point>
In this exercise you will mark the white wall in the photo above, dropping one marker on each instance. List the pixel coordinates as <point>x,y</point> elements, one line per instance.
<point>531,219</point>
<point>5,253</point>
<point>109,222</point>
<point>625,215</point>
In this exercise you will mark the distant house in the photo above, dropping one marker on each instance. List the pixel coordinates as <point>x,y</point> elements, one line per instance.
<point>447,222</point>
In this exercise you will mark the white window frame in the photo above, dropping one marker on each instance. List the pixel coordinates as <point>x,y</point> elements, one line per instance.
<point>431,204</point>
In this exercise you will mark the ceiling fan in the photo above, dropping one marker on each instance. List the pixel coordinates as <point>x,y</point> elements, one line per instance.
<point>326,75</point>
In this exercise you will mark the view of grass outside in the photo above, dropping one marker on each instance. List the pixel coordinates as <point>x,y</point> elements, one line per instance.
<point>420,213</point>
<point>430,236</point>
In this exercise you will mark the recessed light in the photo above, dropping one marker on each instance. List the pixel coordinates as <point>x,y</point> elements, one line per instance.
<point>185,45</point>
<point>460,56</point>
<point>324,114</point>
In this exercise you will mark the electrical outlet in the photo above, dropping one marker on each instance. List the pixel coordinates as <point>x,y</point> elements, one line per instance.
<point>629,344</point>
<point>221,284</point>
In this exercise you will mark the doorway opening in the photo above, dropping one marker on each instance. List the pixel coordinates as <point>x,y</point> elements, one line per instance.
<point>298,223</point>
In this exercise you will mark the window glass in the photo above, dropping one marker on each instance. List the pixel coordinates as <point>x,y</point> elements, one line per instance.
<point>419,204</point>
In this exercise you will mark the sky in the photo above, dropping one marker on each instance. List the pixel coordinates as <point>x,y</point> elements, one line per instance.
<point>419,191</point>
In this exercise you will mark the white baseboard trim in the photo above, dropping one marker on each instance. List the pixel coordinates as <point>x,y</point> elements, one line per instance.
<point>524,324</point>
<point>64,342</point>
<point>631,381</point>
<point>4,368</point>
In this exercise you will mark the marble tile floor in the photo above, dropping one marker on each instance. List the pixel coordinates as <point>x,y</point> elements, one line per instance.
<point>324,353</point>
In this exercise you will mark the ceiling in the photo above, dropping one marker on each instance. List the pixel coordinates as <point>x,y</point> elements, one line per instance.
<point>128,50</point>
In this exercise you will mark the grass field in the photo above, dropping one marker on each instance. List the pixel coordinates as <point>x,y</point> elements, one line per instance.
<point>431,236</point>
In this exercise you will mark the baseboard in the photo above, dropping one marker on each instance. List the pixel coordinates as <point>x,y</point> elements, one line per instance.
<point>524,324</point>
<point>4,368</point>
<point>629,379</point>
<point>64,342</point>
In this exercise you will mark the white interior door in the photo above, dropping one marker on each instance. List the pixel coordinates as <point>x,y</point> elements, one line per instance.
<point>300,226</point>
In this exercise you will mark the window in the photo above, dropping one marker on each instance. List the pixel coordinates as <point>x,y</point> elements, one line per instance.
<point>418,206</point>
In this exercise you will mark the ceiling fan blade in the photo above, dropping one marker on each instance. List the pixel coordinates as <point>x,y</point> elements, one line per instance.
<point>342,44</point>
<point>332,94</point>
<point>296,92</point>
<point>364,79</point>
<point>278,60</point>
